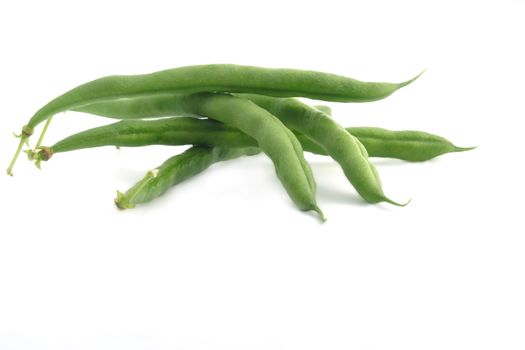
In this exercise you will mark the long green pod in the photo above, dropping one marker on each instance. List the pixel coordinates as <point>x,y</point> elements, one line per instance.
<point>220,78</point>
<point>175,170</point>
<point>212,78</point>
<point>407,145</point>
<point>333,138</point>
<point>410,145</point>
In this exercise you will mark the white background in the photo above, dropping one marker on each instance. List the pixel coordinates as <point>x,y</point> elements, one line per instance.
<point>225,261</point>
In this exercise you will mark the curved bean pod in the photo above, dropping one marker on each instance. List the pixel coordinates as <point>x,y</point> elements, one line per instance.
<point>175,170</point>
<point>333,138</point>
<point>274,139</point>
<point>220,78</point>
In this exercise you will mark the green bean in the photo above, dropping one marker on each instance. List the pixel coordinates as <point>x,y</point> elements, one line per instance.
<point>334,139</point>
<point>175,131</point>
<point>220,78</point>
<point>175,170</point>
<point>212,78</point>
<point>409,145</point>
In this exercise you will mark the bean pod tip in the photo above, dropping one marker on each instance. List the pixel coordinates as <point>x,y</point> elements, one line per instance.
<point>388,200</point>
<point>464,149</point>
<point>408,82</point>
<point>320,213</point>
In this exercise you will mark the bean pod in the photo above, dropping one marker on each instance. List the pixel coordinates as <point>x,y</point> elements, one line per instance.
<point>409,145</point>
<point>175,170</point>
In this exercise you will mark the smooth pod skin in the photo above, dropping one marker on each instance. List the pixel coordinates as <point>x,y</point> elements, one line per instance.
<point>378,142</point>
<point>409,145</point>
<point>175,170</point>
<point>333,138</point>
<point>167,131</point>
<point>220,78</point>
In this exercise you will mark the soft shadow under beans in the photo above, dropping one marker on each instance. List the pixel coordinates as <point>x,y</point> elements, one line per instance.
<point>331,191</point>
<point>386,161</point>
<point>332,195</point>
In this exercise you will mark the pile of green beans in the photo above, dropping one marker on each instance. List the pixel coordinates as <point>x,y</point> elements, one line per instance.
<point>228,111</point>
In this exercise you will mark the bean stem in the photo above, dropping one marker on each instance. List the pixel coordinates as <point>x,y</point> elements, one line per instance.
<point>23,139</point>
<point>44,130</point>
